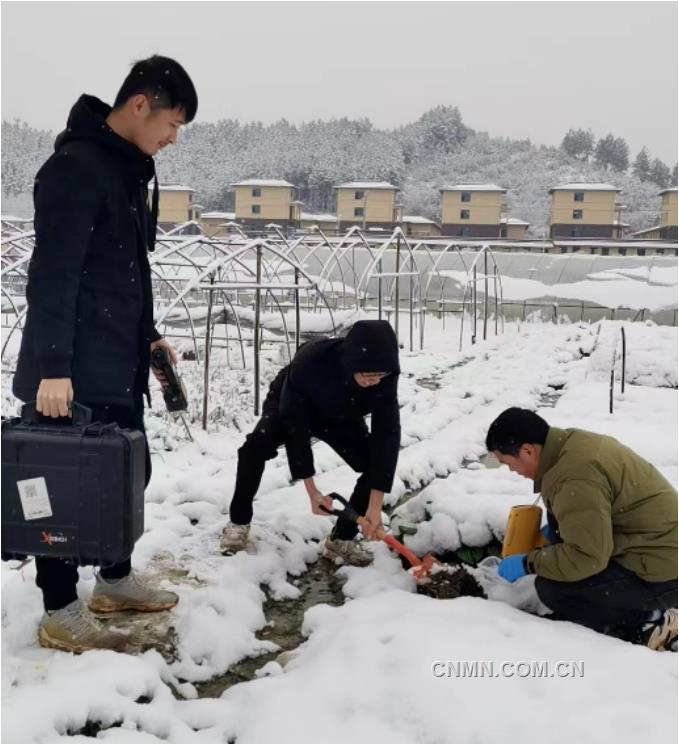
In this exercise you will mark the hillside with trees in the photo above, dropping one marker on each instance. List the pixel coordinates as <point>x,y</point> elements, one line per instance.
<point>435,150</point>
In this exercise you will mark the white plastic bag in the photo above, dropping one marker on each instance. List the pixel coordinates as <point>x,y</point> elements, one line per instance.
<point>520,593</point>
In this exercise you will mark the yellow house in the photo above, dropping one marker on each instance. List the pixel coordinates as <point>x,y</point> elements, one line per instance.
<point>214,224</point>
<point>175,205</point>
<point>367,204</point>
<point>668,214</point>
<point>585,210</point>
<point>263,201</point>
<point>472,210</point>
<point>513,228</point>
<point>420,227</point>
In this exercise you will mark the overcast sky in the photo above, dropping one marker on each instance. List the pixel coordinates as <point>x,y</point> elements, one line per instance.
<point>515,69</point>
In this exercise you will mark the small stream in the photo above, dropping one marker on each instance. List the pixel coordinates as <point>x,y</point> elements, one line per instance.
<point>319,585</point>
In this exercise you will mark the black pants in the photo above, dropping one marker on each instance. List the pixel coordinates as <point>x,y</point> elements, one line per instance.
<point>57,578</point>
<point>616,601</point>
<point>347,438</point>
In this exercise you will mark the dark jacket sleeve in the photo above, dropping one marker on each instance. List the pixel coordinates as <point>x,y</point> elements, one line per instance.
<point>294,410</point>
<point>67,203</point>
<point>385,440</point>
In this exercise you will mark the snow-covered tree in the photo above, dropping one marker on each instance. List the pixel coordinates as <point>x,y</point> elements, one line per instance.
<point>660,173</point>
<point>442,129</point>
<point>612,153</point>
<point>578,143</point>
<point>24,150</point>
<point>642,165</point>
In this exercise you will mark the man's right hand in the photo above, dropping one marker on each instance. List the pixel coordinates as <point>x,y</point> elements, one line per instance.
<point>54,396</point>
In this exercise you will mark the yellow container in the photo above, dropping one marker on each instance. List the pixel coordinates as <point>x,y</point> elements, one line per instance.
<point>523,530</point>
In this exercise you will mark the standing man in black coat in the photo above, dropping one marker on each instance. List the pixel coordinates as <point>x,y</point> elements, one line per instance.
<point>89,329</point>
<point>325,392</point>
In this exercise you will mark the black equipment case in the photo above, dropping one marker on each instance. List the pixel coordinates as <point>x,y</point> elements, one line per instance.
<point>71,490</point>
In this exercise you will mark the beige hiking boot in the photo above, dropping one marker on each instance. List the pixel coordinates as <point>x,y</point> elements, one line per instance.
<point>75,629</point>
<point>351,552</point>
<point>234,538</point>
<point>130,593</point>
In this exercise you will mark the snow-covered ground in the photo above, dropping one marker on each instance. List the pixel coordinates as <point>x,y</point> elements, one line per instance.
<point>378,667</point>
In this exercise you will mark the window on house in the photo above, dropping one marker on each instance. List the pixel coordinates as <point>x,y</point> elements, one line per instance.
<point>577,214</point>
<point>605,251</point>
<point>256,193</point>
<point>579,196</point>
<point>641,251</point>
<point>660,252</point>
<point>466,196</point>
<point>256,209</point>
<point>358,195</point>
<point>464,214</point>
<point>622,251</point>
<point>358,211</point>
<point>575,232</point>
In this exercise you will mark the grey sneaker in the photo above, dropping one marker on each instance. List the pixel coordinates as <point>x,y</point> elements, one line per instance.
<point>75,629</point>
<point>347,551</point>
<point>662,635</point>
<point>130,593</point>
<point>234,538</point>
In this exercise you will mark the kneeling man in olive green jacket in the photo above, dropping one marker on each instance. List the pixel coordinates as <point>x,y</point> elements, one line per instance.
<point>612,527</point>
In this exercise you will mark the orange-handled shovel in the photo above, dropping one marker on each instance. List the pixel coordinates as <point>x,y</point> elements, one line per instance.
<point>422,566</point>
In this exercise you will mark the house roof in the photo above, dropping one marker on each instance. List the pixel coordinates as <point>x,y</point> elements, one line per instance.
<point>272,182</point>
<point>585,187</point>
<point>172,187</point>
<point>667,191</point>
<point>474,187</point>
<point>415,219</point>
<point>307,217</point>
<point>367,185</point>
<point>513,221</point>
<point>218,215</point>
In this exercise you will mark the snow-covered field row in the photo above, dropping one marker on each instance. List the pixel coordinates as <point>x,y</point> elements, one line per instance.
<point>365,673</point>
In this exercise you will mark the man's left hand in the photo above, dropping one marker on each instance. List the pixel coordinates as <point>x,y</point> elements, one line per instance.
<point>512,568</point>
<point>161,343</point>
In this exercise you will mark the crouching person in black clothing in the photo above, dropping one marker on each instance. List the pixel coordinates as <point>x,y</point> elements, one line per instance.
<point>89,329</point>
<point>325,392</point>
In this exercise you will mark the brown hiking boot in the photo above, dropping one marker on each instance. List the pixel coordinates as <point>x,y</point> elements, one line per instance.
<point>234,538</point>
<point>75,629</point>
<point>352,552</point>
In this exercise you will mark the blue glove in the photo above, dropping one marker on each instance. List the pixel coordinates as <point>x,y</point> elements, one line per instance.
<point>549,534</point>
<point>512,568</point>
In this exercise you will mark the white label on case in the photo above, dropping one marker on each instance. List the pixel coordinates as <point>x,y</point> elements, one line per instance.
<point>35,500</point>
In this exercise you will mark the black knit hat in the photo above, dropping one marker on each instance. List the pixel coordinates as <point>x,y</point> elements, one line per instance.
<point>371,346</point>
